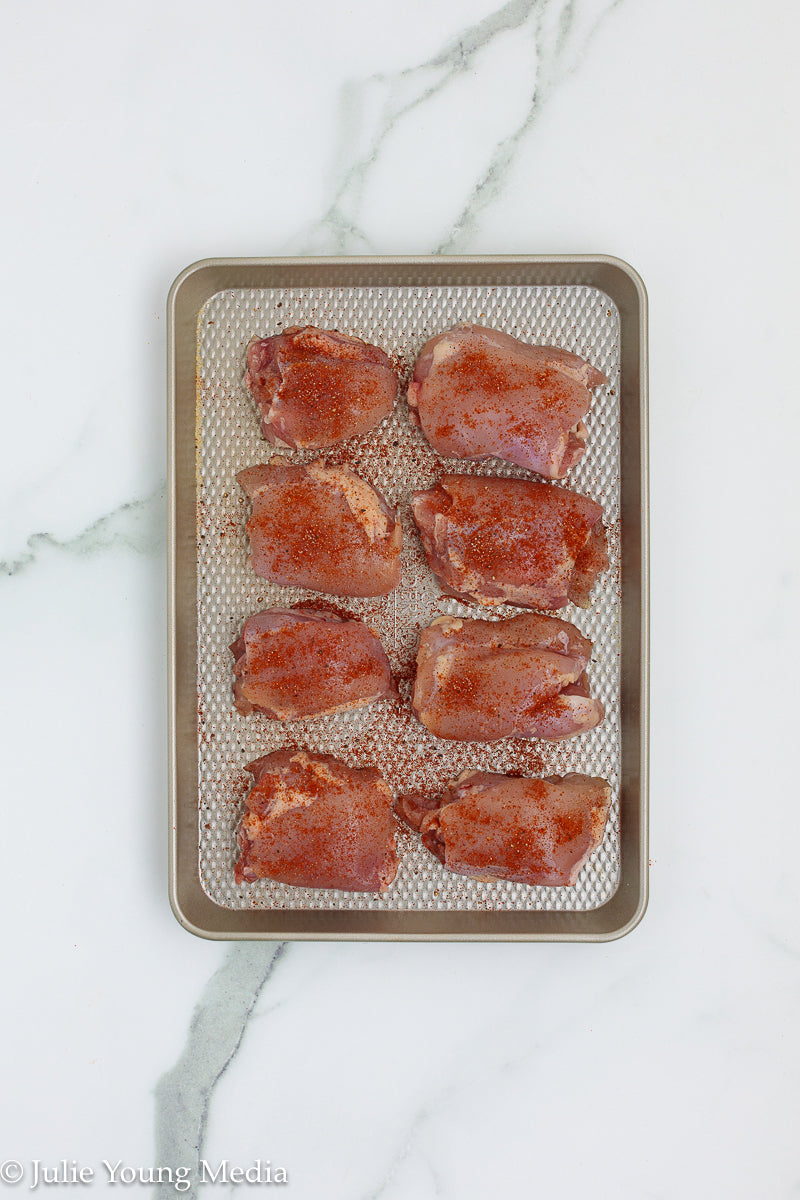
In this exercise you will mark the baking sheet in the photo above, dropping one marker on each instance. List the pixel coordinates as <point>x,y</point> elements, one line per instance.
<point>396,459</point>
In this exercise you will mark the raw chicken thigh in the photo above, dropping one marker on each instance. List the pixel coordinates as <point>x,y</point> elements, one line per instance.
<point>478,392</point>
<point>534,831</point>
<point>511,541</point>
<point>316,387</point>
<point>523,677</point>
<point>321,527</point>
<point>312,821</point>
<point>307,662</point>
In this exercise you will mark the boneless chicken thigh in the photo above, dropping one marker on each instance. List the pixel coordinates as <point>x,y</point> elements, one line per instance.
<point>513,541</point>
<point>316,387</point>
<point>477,392</point>
<point>534,831</point>
<point>306,662</point>
<point>321,527</point>
<point>312,821</point>
<point>523,677</point>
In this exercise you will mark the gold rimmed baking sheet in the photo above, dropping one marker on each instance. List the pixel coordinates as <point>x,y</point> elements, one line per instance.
<point>398,316</point>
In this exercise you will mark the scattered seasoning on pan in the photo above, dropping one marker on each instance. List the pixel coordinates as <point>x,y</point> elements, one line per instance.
<point>325,605</point>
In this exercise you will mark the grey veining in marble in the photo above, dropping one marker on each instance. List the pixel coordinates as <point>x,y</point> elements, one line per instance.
<point>559,53</point>
<point>558,33</point>
<point>137,525</point>
<point>407,1146</point>
<point>218,1025</point>
<point>401,94</point>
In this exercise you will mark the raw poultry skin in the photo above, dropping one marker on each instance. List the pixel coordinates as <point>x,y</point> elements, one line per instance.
<point>312,821</point>
<point>478,681</point>
<point>294,663</point>
<point>511,541</point>
<point>316,387</point>
<point>322,528</point>
<point>534,831</point>
<point>479,393</point>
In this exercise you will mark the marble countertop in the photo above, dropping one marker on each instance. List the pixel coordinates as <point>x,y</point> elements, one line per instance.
<point>139,138</point>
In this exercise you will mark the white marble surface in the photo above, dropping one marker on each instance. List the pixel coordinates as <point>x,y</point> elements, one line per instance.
<point>140,137</point>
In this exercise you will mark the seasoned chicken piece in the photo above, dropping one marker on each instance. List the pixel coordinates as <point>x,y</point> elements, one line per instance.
<point>478,681</point>
<point>321,527</point>
<point>534,831</point>
<point>478,392</point>
<point>312,821</point>
<point>306,662</point>
<point>511,541</point>
<point>316,387</point>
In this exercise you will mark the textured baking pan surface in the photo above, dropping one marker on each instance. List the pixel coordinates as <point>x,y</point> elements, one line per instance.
<point>397,460</point>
